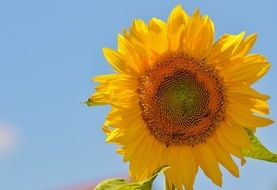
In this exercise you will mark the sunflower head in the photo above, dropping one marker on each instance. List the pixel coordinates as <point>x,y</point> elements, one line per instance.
<point>180,99</point>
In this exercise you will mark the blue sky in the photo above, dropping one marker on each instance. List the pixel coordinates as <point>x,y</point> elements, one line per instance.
<point>49,50</point>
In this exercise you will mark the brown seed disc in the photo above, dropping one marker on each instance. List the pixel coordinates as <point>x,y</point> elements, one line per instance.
<point>182,99</point>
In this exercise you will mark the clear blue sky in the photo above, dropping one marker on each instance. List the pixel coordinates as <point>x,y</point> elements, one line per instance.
<point>49,50</point>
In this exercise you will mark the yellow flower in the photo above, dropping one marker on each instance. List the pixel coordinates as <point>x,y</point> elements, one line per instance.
<point>179,99</point>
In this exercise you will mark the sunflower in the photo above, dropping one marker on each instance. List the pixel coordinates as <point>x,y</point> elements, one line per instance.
<point>180,99</point>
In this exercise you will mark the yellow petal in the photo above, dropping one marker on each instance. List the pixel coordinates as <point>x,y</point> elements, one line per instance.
<point>208,162</point>
<point>131,148</point>
<point>177,22</point>
<point>119,83</point>
<point>108,77</point>
<point>136,170</point>
<point>236,134</point>
<point>260,107</point>
<point>156,25</point>
<point>174,170</point>
<point>223,49</point>
<point>138,31</point>
<point>100,98</point>
<point>199,36</point>
<point>187,166</point>
<point>247,119</point>
<point>246,72</point>
<point>116,59</point>
<point>252,104</point>
<point>248,43</point>
<point>245,90</point>
<point>160,158</point>
<point>177,18</point>
<point>133,53</point>
<point>228,146</point>
<point>128,134</point>
<point>144,154</point>
<point>224,157</point>
<point>192,29</point>
<point>158,42</point>
<point>175,39</point>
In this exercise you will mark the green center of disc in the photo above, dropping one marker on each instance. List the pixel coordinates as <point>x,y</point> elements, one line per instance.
<point>182,97</point>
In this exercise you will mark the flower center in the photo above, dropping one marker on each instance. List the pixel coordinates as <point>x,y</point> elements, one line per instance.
<point>182,100</point>
<point>181,97</point>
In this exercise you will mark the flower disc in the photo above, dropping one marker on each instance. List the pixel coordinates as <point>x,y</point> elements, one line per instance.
<point>182,100</point>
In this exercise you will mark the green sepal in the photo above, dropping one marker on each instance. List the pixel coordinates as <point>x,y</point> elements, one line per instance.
<point>258,150</point>
<point>122,184</point>
<point>90,103</point>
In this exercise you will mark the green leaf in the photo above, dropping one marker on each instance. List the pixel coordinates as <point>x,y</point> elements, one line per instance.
<point>111,184</point>
<point>121,184</point>
<point>258,150</point>
<point>90,102</point>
